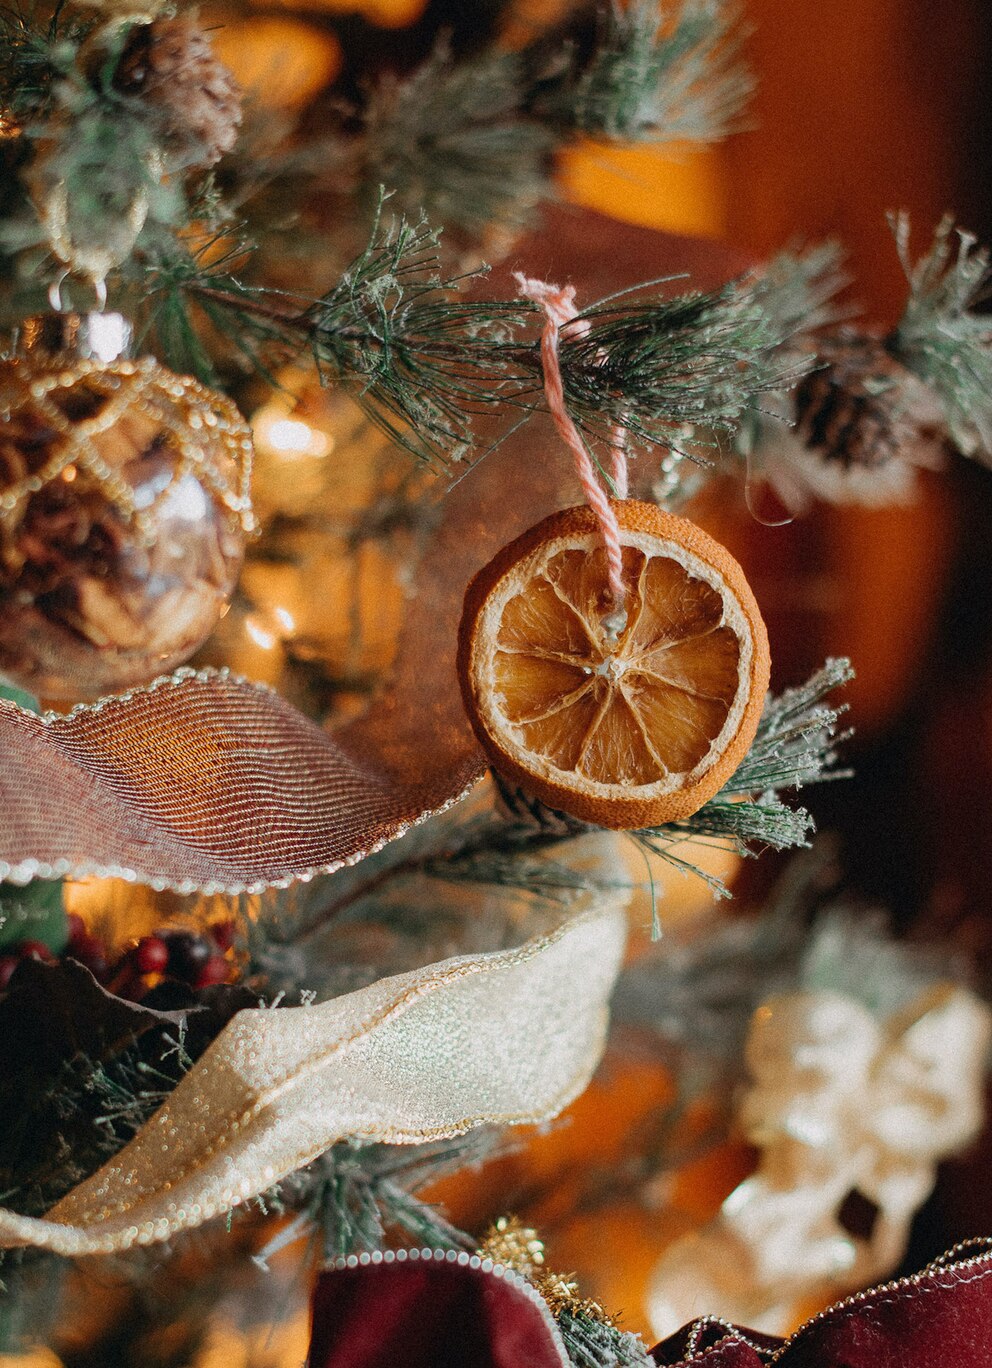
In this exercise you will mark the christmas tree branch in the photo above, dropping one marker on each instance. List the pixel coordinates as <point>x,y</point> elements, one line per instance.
<point>34,45</point>
<point>59,1136</point>
<point>469,140</point>
<point>453,141</point>
<point>942,338</point>
<point>658,78</point>
<point>424,360</point>
<point>355,1193</point>
<point>697,997</point>
<point>593,1343</point>
<point>797,291</point>
<point>796,744</point>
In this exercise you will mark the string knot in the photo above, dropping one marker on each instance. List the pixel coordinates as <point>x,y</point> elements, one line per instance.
<point>557,301</point>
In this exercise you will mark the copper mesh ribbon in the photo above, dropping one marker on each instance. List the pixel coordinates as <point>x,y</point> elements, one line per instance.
<point>205,782</point>
<point>199,782</point>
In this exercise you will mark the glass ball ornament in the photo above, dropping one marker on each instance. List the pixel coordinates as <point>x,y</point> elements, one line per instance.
<point>124,510</point>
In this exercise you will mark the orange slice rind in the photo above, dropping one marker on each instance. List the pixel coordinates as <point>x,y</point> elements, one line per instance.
<point>626,731</point>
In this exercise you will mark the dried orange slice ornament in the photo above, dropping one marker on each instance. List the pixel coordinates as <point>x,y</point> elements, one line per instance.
<point>629,731</point>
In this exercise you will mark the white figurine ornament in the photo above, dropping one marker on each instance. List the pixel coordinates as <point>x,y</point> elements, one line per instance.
<point>840,1103</point>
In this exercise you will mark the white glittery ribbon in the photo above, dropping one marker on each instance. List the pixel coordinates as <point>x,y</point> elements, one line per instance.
<point>840,1102</point>
<point>506,1037</point>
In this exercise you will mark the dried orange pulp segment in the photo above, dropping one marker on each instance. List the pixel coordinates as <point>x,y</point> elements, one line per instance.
<point>627,733</point>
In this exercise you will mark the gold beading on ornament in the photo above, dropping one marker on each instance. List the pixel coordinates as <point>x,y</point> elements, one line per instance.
<point>131,387</point>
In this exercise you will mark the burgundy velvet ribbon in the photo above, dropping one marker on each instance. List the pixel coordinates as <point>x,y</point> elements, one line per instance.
<point>426,1312</point>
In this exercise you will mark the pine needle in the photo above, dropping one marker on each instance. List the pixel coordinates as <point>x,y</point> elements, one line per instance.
<point>592,1343</point>
<point>795,745</point>
<point>424,361</point>
<point>797,289</point>
<point>356,1193</point>
<point>452,143</point>
<point>649,80</point>
<point>941,338</point>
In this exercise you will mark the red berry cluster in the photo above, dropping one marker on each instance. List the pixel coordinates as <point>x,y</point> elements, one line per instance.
<point>188,956</point>
<point>196,959</point>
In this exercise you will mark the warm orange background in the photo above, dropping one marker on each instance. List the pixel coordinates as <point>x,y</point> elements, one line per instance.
<point>863,106</point>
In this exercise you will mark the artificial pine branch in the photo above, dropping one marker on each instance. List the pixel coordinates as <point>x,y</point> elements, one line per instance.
<point>797,291</point>
<point>795,745</point>
<point>592,1343</point>
<point>696,997</point>
<point>658,78</point>
<point>469,140</point>
<point>33,50</point>
<point>356,1193</point>
<point>424,360</point>
<point>654,363</point>
<point>77,1122</point>
<point>797,738</point>
<point>452,142</point>
<point>941,338</point>
<point>555,881</point>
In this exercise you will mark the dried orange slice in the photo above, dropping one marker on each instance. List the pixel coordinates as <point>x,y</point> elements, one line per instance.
<point>624,733</point>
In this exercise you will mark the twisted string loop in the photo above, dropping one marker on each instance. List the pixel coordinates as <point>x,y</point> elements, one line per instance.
<point>558,303</point>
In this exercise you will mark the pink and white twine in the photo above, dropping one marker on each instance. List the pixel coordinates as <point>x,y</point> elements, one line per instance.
<point>558,303</point>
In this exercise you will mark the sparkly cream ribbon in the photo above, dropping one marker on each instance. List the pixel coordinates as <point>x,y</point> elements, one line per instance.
<point>840,1102</point>
<point>506,1037</point>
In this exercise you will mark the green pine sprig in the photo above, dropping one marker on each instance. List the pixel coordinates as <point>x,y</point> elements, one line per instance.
<point>470,140</point>
<point>522,848</point>
<point>659,77</point>
<point>797,291</point>
<point>424,357</point>
<point>592,1343</point>
<point>942,338</point>
<point>654,362</point>
<point>454,143</point>
<point>37,46</point>
<point>353,1196</point>
<point>467,140</point>
<point>796,744</point>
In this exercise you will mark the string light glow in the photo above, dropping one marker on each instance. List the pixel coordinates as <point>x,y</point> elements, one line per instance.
<point>277,434</point>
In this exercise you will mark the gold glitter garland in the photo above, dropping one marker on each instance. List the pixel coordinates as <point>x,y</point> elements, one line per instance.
<point>519,1247</point>
<point>513,1245</point>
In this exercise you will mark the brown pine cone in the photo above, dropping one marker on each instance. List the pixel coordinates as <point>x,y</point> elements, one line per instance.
<point>171,64</point>
<point>862,407</point>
